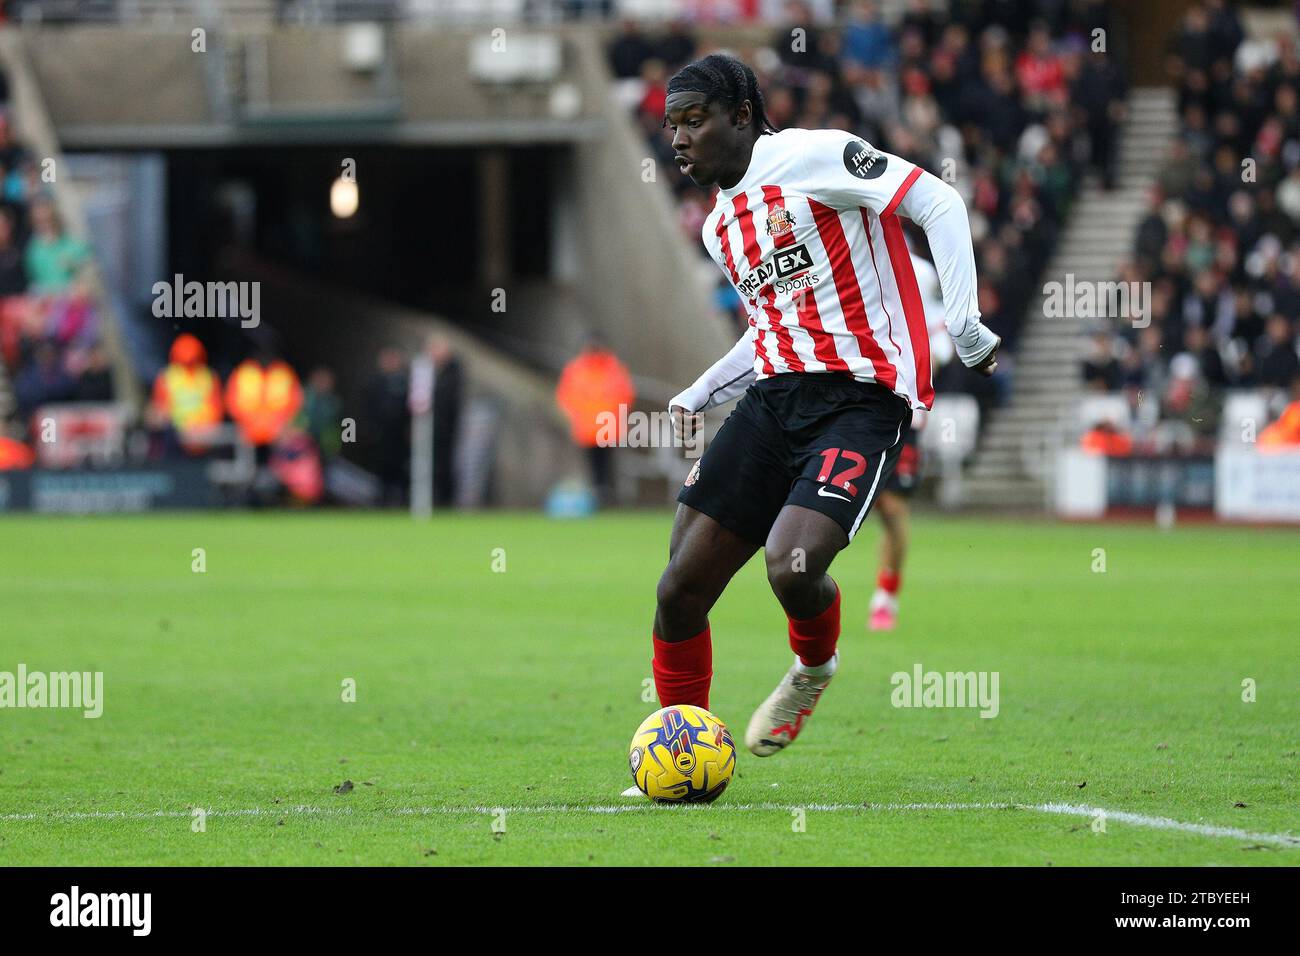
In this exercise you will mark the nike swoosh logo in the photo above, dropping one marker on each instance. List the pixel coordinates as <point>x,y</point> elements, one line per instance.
<point>821,490</point>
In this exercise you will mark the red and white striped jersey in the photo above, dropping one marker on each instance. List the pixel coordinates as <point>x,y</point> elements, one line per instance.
<point>811,240</point>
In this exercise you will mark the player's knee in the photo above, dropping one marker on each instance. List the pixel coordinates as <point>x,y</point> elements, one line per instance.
<point>679,593</point>
<point>790,574</point>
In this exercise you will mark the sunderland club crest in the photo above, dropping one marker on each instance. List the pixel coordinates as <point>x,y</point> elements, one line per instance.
<point>694,473</point>
<point>780,222</point>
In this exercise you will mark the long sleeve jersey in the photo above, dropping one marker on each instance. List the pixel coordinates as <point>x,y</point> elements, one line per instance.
<point>811,240</point>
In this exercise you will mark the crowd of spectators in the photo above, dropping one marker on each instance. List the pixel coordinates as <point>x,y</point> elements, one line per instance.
<point>1011,101</point>
<point>1220,243</point>
<point>49,330</point>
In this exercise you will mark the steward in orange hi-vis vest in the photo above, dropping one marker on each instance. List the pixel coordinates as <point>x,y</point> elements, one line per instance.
<point>188,393</point>
<point>263,400</point>
<point>591,389</point>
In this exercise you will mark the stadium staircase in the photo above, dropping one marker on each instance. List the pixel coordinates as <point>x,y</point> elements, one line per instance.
<point>1012,467</point>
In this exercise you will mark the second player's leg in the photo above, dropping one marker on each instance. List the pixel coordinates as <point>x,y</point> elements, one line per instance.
<point>894,514</point>
<point>882,614</point>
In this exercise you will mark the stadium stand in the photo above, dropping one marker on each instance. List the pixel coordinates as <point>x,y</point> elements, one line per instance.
<point>1220,246</point>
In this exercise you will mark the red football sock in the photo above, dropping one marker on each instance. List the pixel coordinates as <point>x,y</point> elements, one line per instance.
<point>814,639</point>
<point>683,670</point>
<point>889,581</point>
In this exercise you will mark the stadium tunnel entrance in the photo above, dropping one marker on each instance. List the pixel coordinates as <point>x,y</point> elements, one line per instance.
<point>419,243</point>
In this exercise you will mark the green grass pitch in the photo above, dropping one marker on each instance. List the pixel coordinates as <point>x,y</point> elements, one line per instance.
<point>480,688</point>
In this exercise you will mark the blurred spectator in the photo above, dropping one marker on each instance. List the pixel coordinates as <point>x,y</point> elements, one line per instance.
<point>11,151</point>
<point>42,380</point>
<point>922,19</point>
<point>796,39</point>
<point>1200,346</point>
<point>93,373</point>
<point>187,394</point>
<point>1278,361</point>
<point>594,386</point>
<point>1101,370</point>
<point>448,394</point>
<point>53,257</point>
<point>675,48</point>
<point>13,272</point>
<point>655,79</point>
<point>295,462</point>
<point>1039,71</point>
<point>867,41</point>
<point>321,416</point>
<point>1098,86</point>
<point>1188,398</point>
<point>629,51</point>
<point>22,184</point>
<point>386,428</point>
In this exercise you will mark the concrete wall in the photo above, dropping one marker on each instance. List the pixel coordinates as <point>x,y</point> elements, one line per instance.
<point>150,77</point>
<point>93,74</point>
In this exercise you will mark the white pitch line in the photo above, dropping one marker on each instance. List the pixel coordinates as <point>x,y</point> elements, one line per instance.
<point>1063,809</point>
<point>1165,823</point>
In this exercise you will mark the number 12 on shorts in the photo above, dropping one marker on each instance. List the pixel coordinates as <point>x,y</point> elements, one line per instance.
<point>856,466</point>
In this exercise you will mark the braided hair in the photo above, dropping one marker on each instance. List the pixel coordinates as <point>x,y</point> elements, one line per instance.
<point>727,80</point>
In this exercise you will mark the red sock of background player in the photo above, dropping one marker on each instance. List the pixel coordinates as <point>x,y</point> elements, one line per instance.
<point>889,582</point>
<point>683,670</point>
<point>813,640</point>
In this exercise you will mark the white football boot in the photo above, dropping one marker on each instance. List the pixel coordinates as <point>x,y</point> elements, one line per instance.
<point>779,719</point>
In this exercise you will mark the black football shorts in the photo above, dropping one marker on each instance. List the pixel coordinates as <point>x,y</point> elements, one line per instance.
<point>820,440</point>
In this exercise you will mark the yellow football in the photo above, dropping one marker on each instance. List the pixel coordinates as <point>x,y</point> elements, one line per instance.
<point>682,754</point>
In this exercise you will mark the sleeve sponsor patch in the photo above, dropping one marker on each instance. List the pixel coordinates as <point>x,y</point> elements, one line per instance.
<point>863,160</point>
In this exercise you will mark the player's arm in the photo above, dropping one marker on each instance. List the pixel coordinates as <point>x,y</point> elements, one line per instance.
<point>725,379</point>
<point>938,209</point>
<point>847,172</point>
